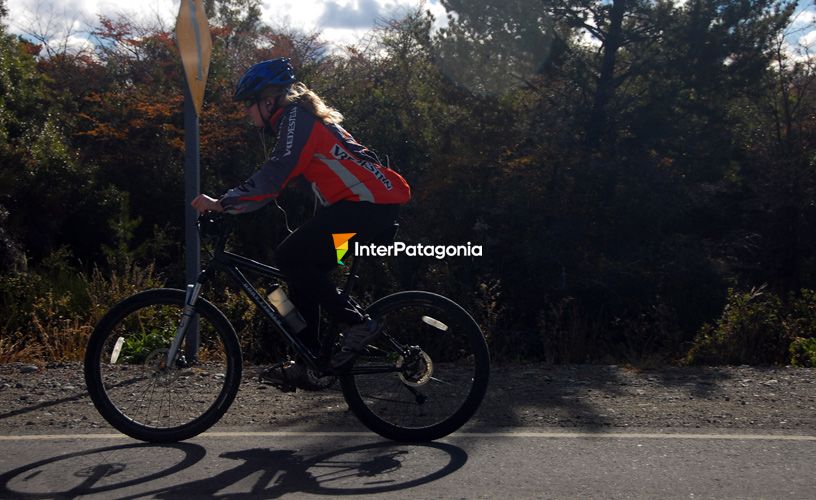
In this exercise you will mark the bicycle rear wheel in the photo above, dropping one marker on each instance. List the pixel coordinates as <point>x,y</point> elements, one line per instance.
<point>133,388</point>
<point>429,369</point>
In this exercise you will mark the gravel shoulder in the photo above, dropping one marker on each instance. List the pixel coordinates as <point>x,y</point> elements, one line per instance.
<point>53,399</point>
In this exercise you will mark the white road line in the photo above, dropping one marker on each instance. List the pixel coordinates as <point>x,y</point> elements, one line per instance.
<point>511,434</point>
<point>612,435</point>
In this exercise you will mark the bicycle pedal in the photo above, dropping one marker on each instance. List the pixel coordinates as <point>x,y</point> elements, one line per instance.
<point>285,388</point>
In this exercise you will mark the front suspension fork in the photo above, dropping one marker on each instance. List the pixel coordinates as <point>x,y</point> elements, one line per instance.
<point>188,320</point>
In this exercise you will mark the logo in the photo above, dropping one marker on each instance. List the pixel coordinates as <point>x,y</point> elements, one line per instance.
<point>341,245</point>
<point>338,153</point>
<point>290,131</point>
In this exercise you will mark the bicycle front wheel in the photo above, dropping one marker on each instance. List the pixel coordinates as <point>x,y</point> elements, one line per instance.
<point>131,383</point>
<point>425,375</point>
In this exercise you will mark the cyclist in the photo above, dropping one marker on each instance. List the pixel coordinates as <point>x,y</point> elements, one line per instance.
<point>356,193</point>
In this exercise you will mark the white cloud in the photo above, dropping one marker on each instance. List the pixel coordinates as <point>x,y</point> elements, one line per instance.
<point>341,21</point>
<point>808,40</point>
<point>341,37</point>
<point>298,14</point>
<point>77,43</point>
<point>439,13</point>
<point>88,11</point>
<point>804,17</point>
<point>346,14</point>
<point>68,23</point>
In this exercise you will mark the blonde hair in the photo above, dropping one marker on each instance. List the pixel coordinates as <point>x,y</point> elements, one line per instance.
<point>298,92</point>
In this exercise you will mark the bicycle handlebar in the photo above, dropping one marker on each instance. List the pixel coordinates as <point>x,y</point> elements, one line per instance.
<point>212,226</point>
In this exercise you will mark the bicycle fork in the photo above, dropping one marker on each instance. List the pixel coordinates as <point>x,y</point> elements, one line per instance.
<point>188,319</point>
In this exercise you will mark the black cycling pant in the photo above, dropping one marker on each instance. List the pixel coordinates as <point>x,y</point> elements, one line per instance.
<point>308,255</point>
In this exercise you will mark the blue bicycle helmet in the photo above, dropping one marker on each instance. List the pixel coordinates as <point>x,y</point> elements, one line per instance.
<point>261,75</point>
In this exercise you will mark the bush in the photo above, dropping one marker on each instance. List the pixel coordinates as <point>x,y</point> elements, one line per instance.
<point>801,325</point>
<point>803,352</point>
<point>801,320</point>
<point>748,332</point>
<point>759,328</point>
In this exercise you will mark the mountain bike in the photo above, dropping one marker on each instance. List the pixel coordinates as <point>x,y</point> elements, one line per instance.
<point>165,364</point>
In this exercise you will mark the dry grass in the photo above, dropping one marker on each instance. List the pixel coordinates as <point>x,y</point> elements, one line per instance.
<point>56,324</point>
<point>18,350</point>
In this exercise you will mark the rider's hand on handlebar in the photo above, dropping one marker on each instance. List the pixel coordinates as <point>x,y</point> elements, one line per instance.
<point>203,203</point>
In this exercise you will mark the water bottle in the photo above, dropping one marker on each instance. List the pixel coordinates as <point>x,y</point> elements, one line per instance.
<point>287,309</point>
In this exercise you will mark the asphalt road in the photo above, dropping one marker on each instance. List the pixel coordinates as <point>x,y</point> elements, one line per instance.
<point>519,464</point>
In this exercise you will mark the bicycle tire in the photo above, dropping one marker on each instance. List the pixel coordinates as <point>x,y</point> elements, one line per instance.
<point>454,348</point>
<point>102,365</point>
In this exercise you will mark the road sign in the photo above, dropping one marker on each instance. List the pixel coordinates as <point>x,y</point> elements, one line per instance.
<point>195,45</point>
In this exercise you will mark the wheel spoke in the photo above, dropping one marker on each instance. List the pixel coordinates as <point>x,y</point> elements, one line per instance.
<point>152,403</point>
<point>432,393</point>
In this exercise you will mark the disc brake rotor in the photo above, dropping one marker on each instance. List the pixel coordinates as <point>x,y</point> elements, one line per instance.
<point>417,371</point>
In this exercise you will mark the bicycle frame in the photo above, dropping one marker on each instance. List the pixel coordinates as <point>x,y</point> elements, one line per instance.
<point>232,264</point>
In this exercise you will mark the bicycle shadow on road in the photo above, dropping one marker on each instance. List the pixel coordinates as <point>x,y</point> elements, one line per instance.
<point>358,470</point>
<point>252,473</point>
<point>99,470</point>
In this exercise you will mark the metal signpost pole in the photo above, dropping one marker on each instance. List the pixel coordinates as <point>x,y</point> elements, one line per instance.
<point>195,48</point>
<point>192,186</point>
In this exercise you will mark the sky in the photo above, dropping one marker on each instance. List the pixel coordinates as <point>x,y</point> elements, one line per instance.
<point>340,21</point>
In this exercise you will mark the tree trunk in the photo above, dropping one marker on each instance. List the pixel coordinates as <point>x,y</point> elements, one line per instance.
<point>598,126</point>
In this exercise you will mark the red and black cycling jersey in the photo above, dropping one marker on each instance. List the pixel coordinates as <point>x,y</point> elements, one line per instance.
<point>328,157</point>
